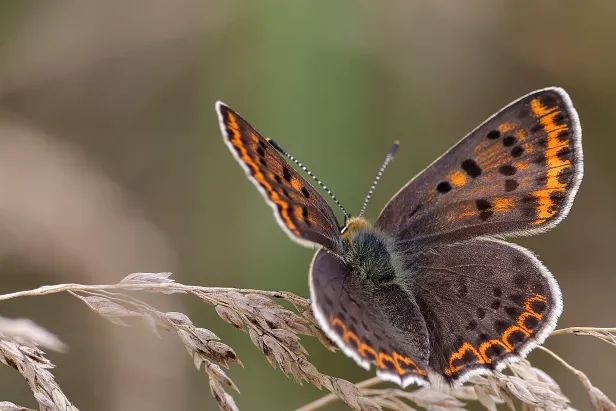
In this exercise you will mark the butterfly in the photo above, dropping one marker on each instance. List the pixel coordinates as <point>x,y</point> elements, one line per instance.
<point>430,292</point>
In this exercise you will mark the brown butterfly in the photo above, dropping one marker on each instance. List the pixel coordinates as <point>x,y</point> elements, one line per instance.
<point>427,293</point>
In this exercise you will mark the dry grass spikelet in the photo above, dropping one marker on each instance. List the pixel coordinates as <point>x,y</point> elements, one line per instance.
<point>275,331</point>
<point>19,342</point>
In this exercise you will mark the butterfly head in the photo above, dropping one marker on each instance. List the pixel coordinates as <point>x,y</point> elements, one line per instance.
<point>353,225</point>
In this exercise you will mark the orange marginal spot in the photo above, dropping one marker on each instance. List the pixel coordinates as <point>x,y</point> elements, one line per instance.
<point>512,329</point>
<point>350,336</point>
<point>369,349</point>
<point>384,357</point>
<point>503,342</point>
<point>539,109</point>
<point>336,322</point>
<point>236,140</point>
<point>457,178</point>
<point>522,318</point>
<point>502,204</point>
<point>487,344</point>
<point>544,208</point>
<point>554,165</point>
<point>407,361</point>
<point>546,205</point>
<point>536,298</point>
<point>529,312</point>
<point>549,125</point>
<point>379,357</point>
<point>458,355</point>
<point>507,126</point>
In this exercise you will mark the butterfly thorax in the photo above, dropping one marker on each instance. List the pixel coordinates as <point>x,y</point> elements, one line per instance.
<point>368,252</point>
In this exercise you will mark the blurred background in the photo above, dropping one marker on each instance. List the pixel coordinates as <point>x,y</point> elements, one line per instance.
<point>111,162</point>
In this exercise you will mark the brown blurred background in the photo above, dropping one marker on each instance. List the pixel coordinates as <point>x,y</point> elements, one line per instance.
<point>111,161</point>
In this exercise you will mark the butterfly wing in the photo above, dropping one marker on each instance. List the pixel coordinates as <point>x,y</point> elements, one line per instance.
<point>382,327</point>
<point>299,209</point>
<point>516,174</point>
<point>484,301</point>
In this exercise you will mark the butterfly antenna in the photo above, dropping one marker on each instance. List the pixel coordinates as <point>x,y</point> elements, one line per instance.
<point>390,156</point>
<point>296,161</point>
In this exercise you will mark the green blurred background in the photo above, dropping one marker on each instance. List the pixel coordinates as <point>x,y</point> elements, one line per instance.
<point>111,162</point>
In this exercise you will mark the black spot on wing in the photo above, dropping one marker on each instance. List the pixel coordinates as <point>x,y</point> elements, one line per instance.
<point>531,323</point>
<point>516,337</point>
<point>517,151</point>
<point>539,306</point>
<point>507,170</point>
<point>509,141</point>
<point>511,185</point>
<point>482,204</point>
<point>286,174</point>
<point>443,187</point>
<point>493,135</point>
<point>471,168</point>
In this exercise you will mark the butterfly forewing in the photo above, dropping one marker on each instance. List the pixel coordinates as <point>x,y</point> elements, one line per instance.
<point>299,209</point>
<point>484,301</point>
<point>515,174</point>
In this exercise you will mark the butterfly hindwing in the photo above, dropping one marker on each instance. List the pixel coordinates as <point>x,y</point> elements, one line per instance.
<point>382,327</point>
<point>484,301</point>
<point>515,174</point>
<point>299,209</point>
